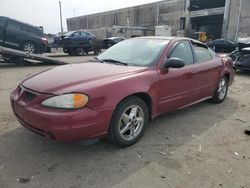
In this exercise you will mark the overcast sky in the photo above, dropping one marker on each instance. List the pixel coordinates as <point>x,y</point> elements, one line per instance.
<point>46,12</point>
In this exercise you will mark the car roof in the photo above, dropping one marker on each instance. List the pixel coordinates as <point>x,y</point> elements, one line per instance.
<point>115,38</point>
<point>23,22</point>
<point>157,37</point>
<point>173,38</point>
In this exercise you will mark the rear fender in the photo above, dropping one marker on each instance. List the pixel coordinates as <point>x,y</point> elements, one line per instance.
<point>228,68</point>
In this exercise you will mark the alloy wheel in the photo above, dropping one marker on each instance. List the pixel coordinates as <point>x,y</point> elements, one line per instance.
<point>222,89</point>
<point>131,122</point>
<point>29,48</point>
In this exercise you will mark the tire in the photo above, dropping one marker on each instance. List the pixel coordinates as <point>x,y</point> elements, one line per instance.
<point>71,52</point>
<point>29,47</point>
<point>220,93</point>
<point>129,122</point>
<point>65,50</point>
<point>79,51</point>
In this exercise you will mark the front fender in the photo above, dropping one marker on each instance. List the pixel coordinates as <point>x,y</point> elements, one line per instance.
<point>110,94</point>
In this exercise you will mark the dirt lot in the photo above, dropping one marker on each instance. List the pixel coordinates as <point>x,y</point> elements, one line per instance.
<point>201,146</point>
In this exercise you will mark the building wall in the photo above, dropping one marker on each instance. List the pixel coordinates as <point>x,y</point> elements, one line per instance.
<point>243,22</point>
<point>169,12</point>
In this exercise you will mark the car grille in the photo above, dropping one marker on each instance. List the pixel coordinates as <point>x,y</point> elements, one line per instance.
<point>25,94</point>
<point>29,96</point>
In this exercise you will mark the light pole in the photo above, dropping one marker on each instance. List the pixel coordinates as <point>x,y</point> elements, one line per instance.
<point>238,20</point>
<point>60,7</point>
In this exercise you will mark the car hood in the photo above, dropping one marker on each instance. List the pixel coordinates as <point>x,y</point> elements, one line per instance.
<point>65,78</point>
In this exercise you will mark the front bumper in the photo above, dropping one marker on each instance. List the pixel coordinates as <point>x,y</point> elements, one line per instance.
<point>62,125</point>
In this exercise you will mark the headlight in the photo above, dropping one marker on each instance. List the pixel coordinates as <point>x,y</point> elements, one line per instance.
<point>67,101</point>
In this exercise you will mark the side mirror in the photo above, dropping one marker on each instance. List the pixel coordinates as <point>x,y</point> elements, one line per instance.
<point>173,63</point>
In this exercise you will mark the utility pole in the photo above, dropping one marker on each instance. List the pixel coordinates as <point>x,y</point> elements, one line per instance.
<point>157,13</point>
<point>226,19</point>
<point>187,16</point>
<point>238,20</point>
<point>60,7</point>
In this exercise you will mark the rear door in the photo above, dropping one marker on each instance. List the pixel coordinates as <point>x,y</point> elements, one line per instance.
<point>14,34</point>
<point>177,87</point>
<point>209,69</point>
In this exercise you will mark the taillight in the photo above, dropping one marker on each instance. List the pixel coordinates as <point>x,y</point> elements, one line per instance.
<point>45,40</point>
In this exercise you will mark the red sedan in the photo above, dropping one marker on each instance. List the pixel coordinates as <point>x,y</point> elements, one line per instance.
<point>118,93</point>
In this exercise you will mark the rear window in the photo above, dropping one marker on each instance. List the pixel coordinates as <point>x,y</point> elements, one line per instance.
<point>202,54</point>
<point>25,28</point>
<point>14,25</point>
<point>32,30</point>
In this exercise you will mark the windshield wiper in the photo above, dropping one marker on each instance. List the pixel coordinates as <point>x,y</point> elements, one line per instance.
<point>98,59</point>
<point>114,61</point>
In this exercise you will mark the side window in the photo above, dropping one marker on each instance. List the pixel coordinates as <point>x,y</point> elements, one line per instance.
<point>14,25</point>
<point>76,34</point>
<point>29,30</point>
<point>183,51</point>
<point>202,54</point>
<point>84,34</point>
<point>2,22</point>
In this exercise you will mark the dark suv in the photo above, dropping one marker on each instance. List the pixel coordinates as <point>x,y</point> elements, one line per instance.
<point>22,36</point>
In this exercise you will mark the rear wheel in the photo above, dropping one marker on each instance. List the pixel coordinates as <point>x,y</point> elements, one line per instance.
<point>129,122</point>
<point>29,47</point>
<point>221,91</point>
<point>79,51</point>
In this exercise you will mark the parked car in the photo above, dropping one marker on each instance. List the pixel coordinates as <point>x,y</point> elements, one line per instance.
<point>122,90</point>
<point>241,56</point>
<point>22,36</point>
<point>222,45</point>
<point>75,42</point>
<point>112,41</point>
<point>243,61</point>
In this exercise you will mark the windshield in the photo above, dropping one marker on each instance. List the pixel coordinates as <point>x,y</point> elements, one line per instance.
<point>137,51</point>
<point>69,33</point>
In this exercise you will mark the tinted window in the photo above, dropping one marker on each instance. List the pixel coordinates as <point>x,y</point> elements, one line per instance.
<point>84,34</point>
<point>202,54</point>
<point>218,42</point>
<point>14,25</point>
<point>118,40</point>
<point>228,42</point>
<point>2,21</point>
<point>76,34</point>
<point>183,51</point>
<point>31,30</point>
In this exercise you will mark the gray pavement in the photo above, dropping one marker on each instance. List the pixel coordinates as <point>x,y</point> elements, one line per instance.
<point>200,146</point>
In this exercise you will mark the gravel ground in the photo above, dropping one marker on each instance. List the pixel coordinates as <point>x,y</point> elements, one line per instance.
<point>200,146</point>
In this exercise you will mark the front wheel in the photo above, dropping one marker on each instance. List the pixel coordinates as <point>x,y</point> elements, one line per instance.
<point>129,122</point>
<point>79,51</point>
<point>220,93</point>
